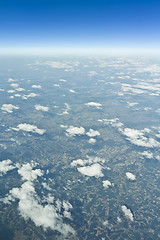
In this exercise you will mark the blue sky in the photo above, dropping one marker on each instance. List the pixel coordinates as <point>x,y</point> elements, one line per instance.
<point>80,24</point>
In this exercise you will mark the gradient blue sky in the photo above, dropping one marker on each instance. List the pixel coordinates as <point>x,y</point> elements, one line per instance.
<point>80,24</point>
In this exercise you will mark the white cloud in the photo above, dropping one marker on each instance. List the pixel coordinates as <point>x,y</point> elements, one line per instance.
<point>41,108</point>
<point>29,95</point>
<point>17,95</point>
<point>30,207</point>
<point>11,91</point>
<point>5,166</point>
<point>107,184</point>
<point>20,89</point>
<point>72,91</point>
<point>44,184</point>
<point>113,122</point>
<point>29,128</point>
<point>73,131</point>
<point>28,173</point>
<point>11,80</point>
<point>37,86</point>
<point>127,212</point>
<point>119,220</point>
<point>89,160</point>
<point>147,154</point>
<point>8,108</point>
<point>78,162</point>
<point>135,136</point>
<point>14,85</point>
<point>130,176</point>
<point>94,170</point>
<point>147,108</point>
<point>93,104</point>
<point>158,157</point>
<point>62,80</point>
<point>66,110</point>
<point>92,133</point>
<point>131,104</point>
<point>92,140</point>
<point>63,126</point>
<point>105,223</point>
<point>42,211</point>
<point>89,166</point>
<point>67,206</point>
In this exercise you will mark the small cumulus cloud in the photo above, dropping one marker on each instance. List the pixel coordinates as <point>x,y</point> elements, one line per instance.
<point>8,108</point>
<point>63,126</point>
<point>5,166</point>
<point>93,104</point>
<point>94,170</point>
<point>30,95</point>
<point>135,136</point>
<point>147,154</point>
<point>78,162</point>
<point>41,108</point>
<point>11,91</point>
<point>11,80</point>
<point>92,140</point>
<point>37,86</point>
<point>72,91</point>
<point>131,104</point>
<point>127,212</point>
<point>17,95</point>
<point>92,133</point>
<point>65,110</point>
<point>138,138</point>
<point>130,176</point>
<point>89,160</point>
<point>28,173</point>
<point>20,89</point>
<point>62,80</point>
<point>14,85</point>
<point>73,131</point>
<point>29,128</point>
<point>107,184</point>
<point>91,166</point>
<point>119,220</point>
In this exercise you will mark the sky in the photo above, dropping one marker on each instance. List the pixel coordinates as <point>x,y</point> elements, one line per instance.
<point>82,24</point>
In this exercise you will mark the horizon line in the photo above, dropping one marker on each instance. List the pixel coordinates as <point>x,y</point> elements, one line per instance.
<point>78,51</point>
